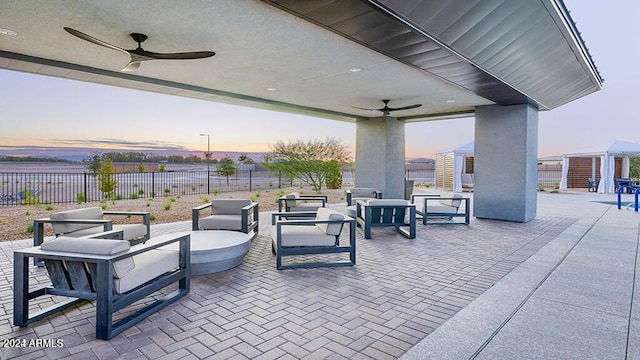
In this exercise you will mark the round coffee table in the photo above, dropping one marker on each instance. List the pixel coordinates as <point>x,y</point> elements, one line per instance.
<point>216,250</point>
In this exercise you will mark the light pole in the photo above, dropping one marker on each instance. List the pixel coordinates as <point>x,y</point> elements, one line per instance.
<point>208,156</point>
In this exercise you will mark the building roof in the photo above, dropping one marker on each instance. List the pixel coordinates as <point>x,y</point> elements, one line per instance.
<point>316,57</point>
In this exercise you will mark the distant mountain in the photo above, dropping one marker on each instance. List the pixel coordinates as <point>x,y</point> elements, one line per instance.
<point>79,154</point>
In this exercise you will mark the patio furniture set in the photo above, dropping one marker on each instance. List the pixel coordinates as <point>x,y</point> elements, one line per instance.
<point>90,258</point>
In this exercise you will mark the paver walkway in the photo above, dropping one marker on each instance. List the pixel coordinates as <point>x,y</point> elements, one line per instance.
<point>397,294</point>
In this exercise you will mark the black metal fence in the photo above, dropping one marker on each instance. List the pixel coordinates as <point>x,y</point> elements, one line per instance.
<point>33,188</point>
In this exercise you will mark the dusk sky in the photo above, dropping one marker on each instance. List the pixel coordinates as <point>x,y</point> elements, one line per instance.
<point>44,111</point>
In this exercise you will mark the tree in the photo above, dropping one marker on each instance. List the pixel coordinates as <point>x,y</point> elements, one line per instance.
<point>313,162</point>
<point>634,167</point>
<point>94,162</point>
<point>245,159</point>
<point>107,179</point>
<point>226,167</point>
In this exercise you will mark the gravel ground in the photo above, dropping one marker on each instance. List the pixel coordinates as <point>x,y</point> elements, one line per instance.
<point>15,221</point>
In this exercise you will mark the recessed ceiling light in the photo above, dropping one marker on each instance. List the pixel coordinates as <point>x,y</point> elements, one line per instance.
<point>450,101</point>
<point>355,69</point>
<point>272,89</point>
<point>8,32</point>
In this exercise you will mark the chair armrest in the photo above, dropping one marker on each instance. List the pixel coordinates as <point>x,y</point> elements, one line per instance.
<point>313,197</point>
<point>246,226</point>
<point>345,220</point>
<point>414,196</point>
<point>146,217</point>
<point>465,200</point>
<point>195,215</point>
<point>275,217</point>
<point>38,226</point>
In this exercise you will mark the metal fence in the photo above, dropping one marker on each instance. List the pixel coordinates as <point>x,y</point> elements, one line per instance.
<point>50,188</point>
<point>33,188</point>
<point>547,178</point>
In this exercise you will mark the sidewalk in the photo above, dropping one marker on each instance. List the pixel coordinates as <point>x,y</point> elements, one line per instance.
<point>573,299</point>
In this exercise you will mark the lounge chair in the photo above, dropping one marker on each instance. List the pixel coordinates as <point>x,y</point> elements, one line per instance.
<point>294,202</point>
<point>386,212</point>
<point>355,194</point>
<point>227,214</point>
<point>318,235</point>
<point>441,208</point>
<point>90,221</point>
<point>110,272</point>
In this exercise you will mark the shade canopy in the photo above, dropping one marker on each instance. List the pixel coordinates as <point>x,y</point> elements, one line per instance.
<point>465,149</point>
<point>616,148</point>
<point>606,171</point>
<point>453,160</point>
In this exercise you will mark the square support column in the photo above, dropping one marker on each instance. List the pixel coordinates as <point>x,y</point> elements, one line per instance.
<point>380,156</point>
<point>506,162</point>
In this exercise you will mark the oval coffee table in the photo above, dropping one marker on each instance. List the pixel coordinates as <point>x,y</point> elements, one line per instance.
<point>216,250</point>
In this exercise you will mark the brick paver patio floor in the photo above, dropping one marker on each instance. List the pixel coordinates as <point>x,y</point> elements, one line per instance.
<point>399,292</point>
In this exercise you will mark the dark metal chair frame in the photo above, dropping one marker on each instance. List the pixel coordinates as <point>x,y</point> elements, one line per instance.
<point>350,196</point>
<point>284,207</point>
<point>90,277</point>
<point>280,251</point>
<point>443,215</point>
<point>369,216</point>
<point>38,224</point>
<point>245,227</point>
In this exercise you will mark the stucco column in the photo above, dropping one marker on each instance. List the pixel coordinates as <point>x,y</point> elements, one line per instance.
<point>380,155</point>
<point>506,162</point>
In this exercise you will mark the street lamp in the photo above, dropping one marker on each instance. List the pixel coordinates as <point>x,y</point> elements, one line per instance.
<point>208,156</point>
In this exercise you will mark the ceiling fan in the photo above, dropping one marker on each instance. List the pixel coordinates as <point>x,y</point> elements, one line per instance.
<point>386,110</point>
<point>139,54</point>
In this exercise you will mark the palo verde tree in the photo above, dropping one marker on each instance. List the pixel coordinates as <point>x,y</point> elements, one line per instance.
<point>315,162</point>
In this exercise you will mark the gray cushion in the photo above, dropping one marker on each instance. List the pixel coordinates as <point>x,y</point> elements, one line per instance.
<point>301,235</point>
<point>228,206</point>
<point>455,202</point>
<point>149,265</point>
<point>441,209</point>
<point>221,222</point>
<point>300,206</point>
<point>387,202</point>
<point>95,247</point>
<point>86,246</point>
<point>293,195</point>
<point>91,213</point>
<point>328,214</point>
<point>129,231</point>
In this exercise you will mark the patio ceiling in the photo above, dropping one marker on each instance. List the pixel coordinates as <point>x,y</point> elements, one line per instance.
<point>450,56</point>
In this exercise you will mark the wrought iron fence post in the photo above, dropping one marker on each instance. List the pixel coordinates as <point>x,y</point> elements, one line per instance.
<point>86,188</point>
<point>279,179</point>
<point>153,184</point>
<point>250,178</point>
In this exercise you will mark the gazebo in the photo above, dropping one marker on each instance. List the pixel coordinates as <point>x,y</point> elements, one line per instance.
<point>603,163</point>
<point>451,164</point>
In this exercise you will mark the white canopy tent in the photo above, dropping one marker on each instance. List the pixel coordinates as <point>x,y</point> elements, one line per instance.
<point>456,155</point>
<point>607,155</point>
